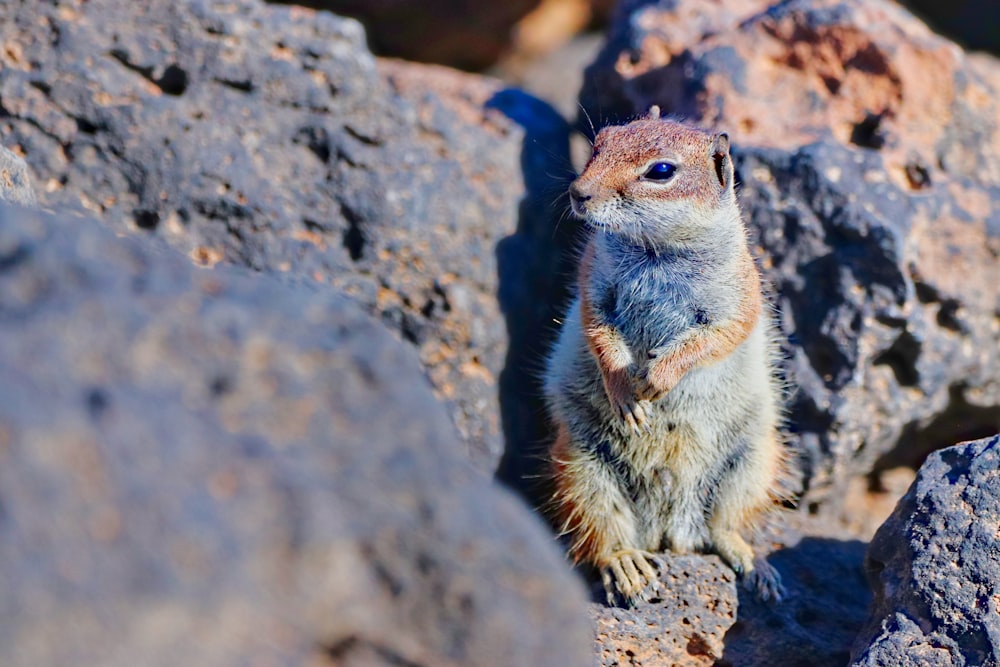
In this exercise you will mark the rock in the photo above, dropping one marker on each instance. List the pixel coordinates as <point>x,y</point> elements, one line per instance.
<point>935,566</point>
<point>685,627</point>
<point>216,467</point>
<point>868,152</point>
<point>15,184</point>
<point>870,500</point>
<point>705,618</point>
<point>549,26</point>
<point>270,137</point>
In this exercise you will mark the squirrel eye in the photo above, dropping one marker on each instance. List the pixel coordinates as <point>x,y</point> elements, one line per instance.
<point>660,171</point>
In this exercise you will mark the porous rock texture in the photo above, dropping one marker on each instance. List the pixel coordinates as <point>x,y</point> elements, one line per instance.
<point>216,467</point>
<point>684,626</point>
<point>935,566</point>
<point>704,617</point>
<point>267,136</point>
<point>868,155</point>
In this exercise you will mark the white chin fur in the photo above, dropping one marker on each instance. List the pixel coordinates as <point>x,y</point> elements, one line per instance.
<point>645,224</point>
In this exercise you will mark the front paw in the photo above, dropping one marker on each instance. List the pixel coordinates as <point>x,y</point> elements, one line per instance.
<point>645,390</point>
<point>618,385</point>
<point>656,379</point>
<point>632,575</point>
<point>764,581</point>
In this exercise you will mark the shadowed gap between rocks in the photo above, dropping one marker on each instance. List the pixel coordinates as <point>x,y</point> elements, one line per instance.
<point>960,421</point>
<point>535,268</point>
<point>814,626</point>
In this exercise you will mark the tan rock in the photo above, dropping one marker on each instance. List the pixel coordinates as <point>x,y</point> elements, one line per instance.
<point>686,626</point>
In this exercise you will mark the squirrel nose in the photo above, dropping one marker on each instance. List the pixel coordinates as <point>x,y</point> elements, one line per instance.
<point>577,199</point>
<point>576,195</point>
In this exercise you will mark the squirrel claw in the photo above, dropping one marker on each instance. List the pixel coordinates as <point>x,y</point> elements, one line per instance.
<point>633,575</point>
<point>634,415</point>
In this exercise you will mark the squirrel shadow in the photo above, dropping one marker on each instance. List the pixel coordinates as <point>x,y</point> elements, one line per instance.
<point>535,266</point>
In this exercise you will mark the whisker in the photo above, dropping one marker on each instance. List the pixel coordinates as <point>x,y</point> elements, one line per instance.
<point>593,130</point>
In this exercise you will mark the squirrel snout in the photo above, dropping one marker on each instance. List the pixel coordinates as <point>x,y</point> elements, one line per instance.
<point>578,200</point>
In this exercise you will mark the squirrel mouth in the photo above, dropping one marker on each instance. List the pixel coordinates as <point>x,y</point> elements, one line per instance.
<point>601,225</point>
<point>579,207</point>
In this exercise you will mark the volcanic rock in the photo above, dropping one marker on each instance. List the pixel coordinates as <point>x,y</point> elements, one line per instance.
<point>868,155</point>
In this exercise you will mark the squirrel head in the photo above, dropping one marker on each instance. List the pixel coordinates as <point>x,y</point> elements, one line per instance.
<point>657,181</point>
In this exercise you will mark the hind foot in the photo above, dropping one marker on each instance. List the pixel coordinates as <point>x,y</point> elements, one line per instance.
<point>764,582</point>
<point>758,576</point>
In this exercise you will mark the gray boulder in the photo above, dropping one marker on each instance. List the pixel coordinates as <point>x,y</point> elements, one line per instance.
<point>213,467</point>
<point>935,567</point>
<point>271,138</point>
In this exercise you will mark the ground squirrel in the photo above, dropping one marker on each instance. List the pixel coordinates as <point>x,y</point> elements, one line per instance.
<point>662,382</point>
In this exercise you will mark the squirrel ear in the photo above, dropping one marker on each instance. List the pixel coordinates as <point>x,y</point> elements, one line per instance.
<point>723,163</point>
<point>653,113</point>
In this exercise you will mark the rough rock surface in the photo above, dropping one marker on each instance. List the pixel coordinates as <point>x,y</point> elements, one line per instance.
<point>215,467</point>
<point>868,151</point>
<point>935,567</point>
<point>266,136</point>
<point>15,183</point>
<point>705,618</point>
<point>685,626</point>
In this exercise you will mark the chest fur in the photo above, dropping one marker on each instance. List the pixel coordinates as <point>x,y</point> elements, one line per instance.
<point>652,301</point>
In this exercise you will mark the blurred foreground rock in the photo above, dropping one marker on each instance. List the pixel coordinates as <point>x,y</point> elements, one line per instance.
<point>268,137</point>
<point>212,467</point>
<point>935,567</point>
<point>869,155</point>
